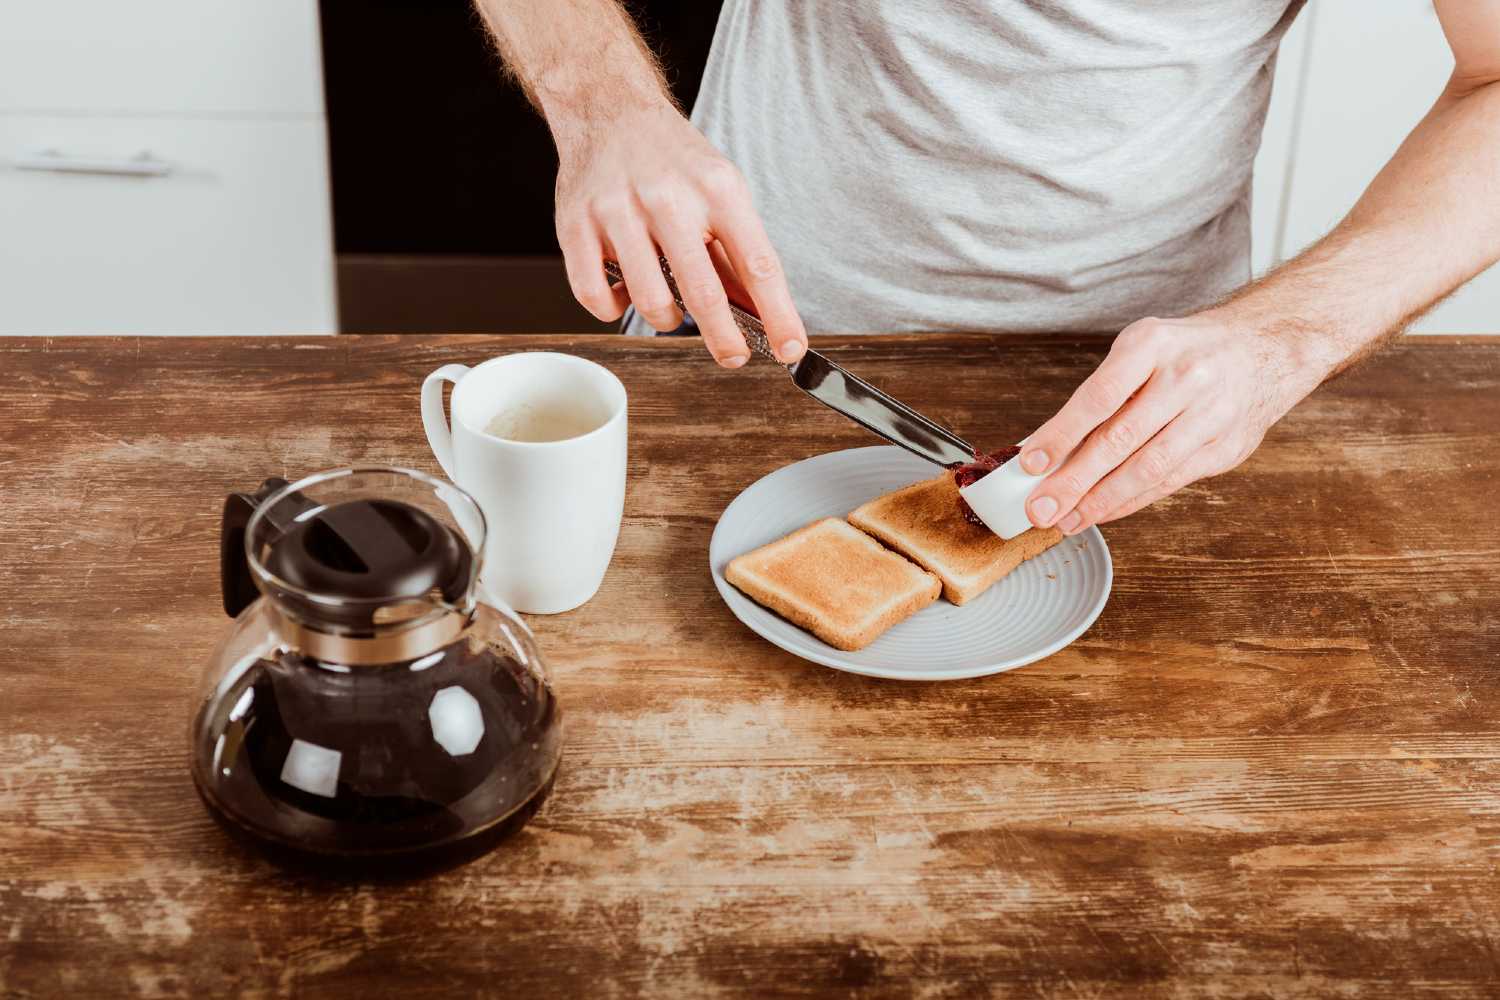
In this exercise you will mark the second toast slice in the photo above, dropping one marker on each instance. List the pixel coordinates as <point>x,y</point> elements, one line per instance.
<point>923,522</point>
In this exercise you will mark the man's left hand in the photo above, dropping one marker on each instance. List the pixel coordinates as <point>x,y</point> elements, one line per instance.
<point>1175,401</point>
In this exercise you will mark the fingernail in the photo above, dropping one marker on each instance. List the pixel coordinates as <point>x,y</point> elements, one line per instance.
<point>1044,509</point>
<point>791,351</point>
<point>735,361</point>
<point>1035,461</point>
<point>1071,523</point>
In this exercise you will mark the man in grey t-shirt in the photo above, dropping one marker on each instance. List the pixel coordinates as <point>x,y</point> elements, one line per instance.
<point>1008,165</point>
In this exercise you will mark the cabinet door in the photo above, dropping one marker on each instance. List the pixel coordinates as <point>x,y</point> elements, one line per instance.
<point>224,229</point>
<point>1373,70</point>
<point>154,56</point>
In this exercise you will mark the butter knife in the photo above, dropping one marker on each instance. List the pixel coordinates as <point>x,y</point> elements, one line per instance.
<point>841,390</point>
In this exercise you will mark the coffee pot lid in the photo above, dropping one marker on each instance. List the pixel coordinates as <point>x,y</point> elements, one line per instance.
<point>347,564</point>
<point>372,552</point>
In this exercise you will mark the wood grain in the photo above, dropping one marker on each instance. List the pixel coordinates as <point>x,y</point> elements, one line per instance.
<point>1271,768</point>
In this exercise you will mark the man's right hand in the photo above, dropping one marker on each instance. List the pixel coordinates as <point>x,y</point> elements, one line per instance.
<point>648,179</point>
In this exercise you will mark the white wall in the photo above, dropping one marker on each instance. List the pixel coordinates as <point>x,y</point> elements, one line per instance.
<point>1354,77</point>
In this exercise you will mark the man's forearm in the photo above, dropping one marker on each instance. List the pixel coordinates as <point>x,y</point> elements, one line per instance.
<point>1428,222</point>
<point>636,182</point>
<point>581,62</point>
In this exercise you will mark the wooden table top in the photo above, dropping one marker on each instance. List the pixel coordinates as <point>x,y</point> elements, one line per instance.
<point>1272,767</point>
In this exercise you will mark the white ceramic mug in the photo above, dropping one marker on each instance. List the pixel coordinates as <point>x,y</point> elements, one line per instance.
<point>553,507</point>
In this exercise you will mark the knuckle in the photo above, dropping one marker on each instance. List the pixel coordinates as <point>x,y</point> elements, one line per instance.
<point>762,266</point>
<point>1194,372</point>
<point>1068,485</point>
<point>661,199</point>
<point>1101,392</point>
<point>719,177</point>
<point>703,292</point>
<point>571,228</point>
<point>655,307</point>
<point>1096,506</point>
<point>1120,437</point>
<point>609,207</point>
<point>1142,332</point>
<point>1156,464</point>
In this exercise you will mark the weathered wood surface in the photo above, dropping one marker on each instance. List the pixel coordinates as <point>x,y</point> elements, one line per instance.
<point>1272,768</point>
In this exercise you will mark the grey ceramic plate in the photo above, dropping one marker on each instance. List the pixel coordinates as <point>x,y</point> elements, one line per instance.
<point>1035,611</point>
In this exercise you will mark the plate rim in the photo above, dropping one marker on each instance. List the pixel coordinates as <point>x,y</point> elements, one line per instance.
<point>831,659</point>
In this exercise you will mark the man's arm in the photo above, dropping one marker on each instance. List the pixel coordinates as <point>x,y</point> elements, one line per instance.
<point>1181,399</point>
<point>635,178</point>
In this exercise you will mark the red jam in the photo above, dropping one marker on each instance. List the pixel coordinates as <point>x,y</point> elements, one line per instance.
<point>972,472</point>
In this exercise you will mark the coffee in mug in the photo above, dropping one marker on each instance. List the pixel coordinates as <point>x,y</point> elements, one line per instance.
<point>539,440</point>
<point>543,422</point>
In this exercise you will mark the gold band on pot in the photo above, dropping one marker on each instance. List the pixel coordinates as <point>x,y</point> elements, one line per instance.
<point>395,646</point>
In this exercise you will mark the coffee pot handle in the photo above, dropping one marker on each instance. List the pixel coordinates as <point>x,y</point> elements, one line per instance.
<point>434,421</point>
<point>235,582</point>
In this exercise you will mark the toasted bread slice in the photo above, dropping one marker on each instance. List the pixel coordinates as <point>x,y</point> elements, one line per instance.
<point>923,523</point>
<point>838,583</point>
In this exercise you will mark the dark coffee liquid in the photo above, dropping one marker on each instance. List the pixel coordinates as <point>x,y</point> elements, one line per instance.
<point>379,770</point>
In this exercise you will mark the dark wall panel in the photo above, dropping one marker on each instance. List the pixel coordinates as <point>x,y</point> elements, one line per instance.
<point>432,151</point>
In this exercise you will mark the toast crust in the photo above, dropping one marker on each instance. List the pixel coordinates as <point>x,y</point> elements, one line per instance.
<point>924,522</point>
<point>835,581</point>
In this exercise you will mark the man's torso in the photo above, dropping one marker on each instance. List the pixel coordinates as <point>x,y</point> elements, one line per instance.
<point>997,165</point>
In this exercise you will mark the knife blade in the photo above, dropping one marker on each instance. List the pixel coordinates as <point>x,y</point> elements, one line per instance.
<point>840,389</point>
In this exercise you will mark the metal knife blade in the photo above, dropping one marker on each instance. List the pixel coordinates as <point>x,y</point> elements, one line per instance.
<point>842,390</point>
<point>873,410</point>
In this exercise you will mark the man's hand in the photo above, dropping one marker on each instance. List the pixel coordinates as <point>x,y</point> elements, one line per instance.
<point>650,181</point>
<point>1175,401</point>
<point>636,180</point>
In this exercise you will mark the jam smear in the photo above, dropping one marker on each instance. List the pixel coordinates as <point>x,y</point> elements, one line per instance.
<point>970,473</point>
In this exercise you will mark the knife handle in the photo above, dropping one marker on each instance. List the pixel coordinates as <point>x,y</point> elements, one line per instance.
<point>749,325</point>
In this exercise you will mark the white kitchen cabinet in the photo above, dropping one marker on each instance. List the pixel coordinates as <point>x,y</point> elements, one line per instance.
<point>1360,77</point>
<point>233,239</point>
<point>163,168</point>
<point>214,57</point>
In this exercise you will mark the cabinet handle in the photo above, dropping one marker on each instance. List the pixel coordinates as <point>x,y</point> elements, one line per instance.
<point>51,161</point>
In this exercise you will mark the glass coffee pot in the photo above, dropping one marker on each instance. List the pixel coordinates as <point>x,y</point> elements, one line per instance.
<point>372,707</point>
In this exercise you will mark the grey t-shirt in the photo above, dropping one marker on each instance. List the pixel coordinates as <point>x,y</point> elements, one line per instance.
<point>997,165</point>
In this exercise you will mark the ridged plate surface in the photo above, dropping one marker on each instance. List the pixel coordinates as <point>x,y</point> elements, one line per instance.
<point>1035,611</point>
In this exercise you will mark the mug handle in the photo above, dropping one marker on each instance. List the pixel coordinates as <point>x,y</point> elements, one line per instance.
<point>439,434</point>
